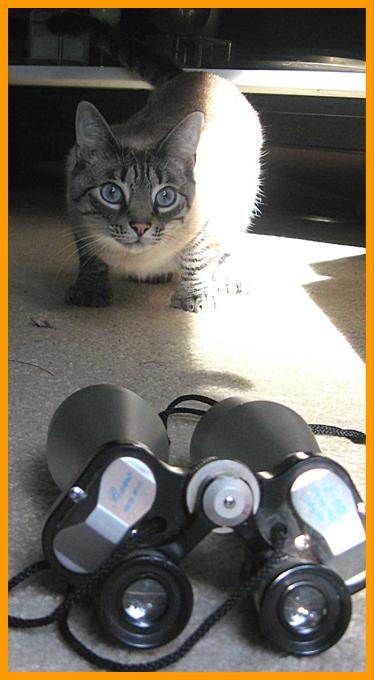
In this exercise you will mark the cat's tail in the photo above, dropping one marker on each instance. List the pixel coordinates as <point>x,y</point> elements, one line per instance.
<point>127,50</point>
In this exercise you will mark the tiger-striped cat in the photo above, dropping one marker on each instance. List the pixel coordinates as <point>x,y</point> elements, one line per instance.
<point>170,190</point>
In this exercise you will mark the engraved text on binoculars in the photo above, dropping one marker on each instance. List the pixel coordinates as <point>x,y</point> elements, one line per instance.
<point>118,493</point>
<point>323,505</point>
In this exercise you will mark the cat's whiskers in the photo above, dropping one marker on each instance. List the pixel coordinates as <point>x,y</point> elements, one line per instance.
<point>67,239</point>
<point>92,246</point>
<point>73,244</point>
<point>70,255</point>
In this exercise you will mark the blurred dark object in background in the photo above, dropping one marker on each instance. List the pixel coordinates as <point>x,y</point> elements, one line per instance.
<point>46,48</point>
<point>185,21</point>
<point>249,34</point>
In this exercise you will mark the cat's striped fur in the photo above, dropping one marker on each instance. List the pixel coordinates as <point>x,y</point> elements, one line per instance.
<point>170,190</point>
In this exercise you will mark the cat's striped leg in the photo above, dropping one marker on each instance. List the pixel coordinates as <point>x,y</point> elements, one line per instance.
<point>206,274</point>
<point>92,287</point>
<point>196,291</point>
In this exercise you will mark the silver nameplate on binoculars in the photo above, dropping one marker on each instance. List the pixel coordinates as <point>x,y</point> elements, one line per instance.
<point>325,502</point>
<point>126,492</point>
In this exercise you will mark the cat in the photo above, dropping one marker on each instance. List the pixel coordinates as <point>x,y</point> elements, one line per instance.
<point>167,192</point>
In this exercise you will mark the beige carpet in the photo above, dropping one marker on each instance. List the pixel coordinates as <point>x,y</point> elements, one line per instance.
<point>297,338</point>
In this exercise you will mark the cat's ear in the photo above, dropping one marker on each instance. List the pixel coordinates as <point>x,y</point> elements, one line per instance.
<point>182,141</point>
<point>93,133</point>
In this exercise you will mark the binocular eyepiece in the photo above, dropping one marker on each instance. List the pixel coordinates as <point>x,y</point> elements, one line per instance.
<point>256,468</point>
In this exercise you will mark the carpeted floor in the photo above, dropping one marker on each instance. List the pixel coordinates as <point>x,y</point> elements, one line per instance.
<point>297,338</point>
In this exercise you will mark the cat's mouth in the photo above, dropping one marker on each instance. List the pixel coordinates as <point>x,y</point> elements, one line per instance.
<point>136,238</point>
<point>136,246</point>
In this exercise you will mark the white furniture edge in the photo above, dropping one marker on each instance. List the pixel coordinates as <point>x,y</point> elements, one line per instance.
<point>287,82</point>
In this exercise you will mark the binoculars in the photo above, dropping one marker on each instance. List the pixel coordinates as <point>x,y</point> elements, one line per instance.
<point>254,466</point>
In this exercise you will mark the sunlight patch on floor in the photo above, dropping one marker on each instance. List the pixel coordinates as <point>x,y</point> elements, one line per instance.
<point>278,335</point>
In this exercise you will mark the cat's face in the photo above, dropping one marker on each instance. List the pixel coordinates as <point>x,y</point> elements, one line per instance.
<point>133,199</point>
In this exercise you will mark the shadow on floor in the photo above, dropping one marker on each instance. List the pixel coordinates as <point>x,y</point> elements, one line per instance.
<point>336,294</point>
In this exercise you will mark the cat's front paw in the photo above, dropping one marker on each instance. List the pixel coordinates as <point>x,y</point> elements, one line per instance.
<point>202,302</point>
<point>79,296</point>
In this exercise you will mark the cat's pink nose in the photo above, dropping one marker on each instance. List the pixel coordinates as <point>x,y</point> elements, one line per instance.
<point>139,227</point>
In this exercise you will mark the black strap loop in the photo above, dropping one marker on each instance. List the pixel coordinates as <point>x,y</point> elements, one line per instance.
<point>172,409</point>
<point>27,573</point>
<point>355,436</point>
<point>20,622</point>
<point>192,397</point>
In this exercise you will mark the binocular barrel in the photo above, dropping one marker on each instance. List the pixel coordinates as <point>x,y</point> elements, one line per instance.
<point>258,433</point>
<point>95,416</point>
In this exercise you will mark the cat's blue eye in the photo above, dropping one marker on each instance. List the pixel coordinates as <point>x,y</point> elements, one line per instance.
<point>111,193</point>
<point>166,197</point>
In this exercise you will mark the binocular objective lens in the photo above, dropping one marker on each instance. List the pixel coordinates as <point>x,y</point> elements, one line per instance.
<point>304,607</point>
<point>144,601</point>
